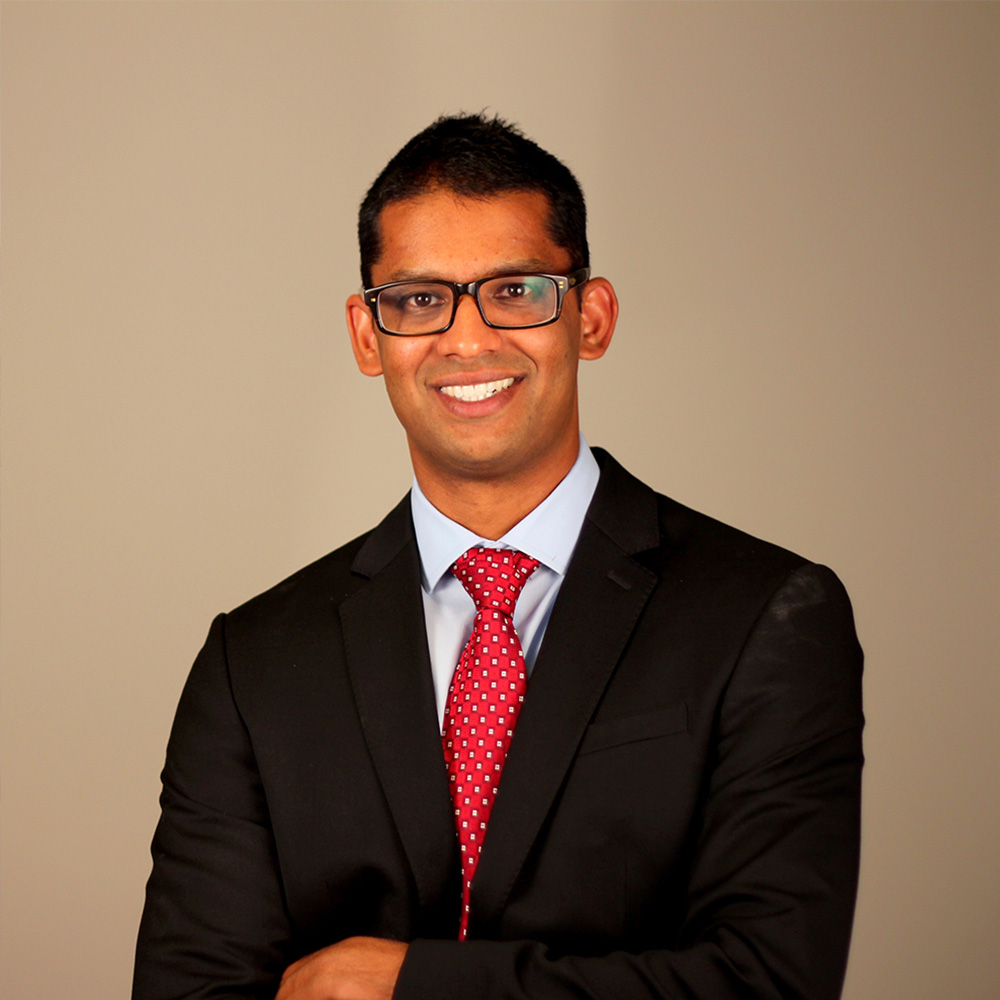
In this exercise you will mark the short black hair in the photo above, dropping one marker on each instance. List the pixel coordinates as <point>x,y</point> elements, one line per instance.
<point>476,157</point>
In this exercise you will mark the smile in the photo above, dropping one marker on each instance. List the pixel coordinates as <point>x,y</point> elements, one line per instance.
<point>477,393</point>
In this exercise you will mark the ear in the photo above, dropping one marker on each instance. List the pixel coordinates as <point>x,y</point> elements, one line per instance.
<point>598,315</point>
<point>364,336</point>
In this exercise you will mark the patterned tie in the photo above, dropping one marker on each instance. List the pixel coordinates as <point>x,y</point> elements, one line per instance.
<point>485,697</point>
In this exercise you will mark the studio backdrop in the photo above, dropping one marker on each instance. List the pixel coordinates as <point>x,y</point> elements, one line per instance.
<point>799,205</point>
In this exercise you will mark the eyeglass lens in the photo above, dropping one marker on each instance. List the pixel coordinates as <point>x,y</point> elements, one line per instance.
<point>416,307</point>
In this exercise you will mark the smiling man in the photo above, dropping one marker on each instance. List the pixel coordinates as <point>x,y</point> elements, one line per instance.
<point>542,733</point>
<point>490,411</point>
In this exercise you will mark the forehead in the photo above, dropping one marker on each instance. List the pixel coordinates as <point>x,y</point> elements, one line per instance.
<point>439,234</point>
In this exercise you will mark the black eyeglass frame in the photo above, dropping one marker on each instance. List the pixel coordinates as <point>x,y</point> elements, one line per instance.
<point>563,283</point>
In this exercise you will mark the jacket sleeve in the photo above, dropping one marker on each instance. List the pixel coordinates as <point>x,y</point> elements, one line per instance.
<point>214,922</point>
<point>770,896</point>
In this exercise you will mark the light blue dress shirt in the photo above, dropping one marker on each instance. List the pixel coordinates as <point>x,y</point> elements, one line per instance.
<point>548,534</point>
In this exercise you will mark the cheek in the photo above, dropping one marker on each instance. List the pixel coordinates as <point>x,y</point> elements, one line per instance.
<point>401,361</point>
<point>554,350</point>
<point>563,362</point>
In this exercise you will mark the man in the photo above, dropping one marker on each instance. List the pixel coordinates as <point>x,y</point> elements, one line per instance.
<point>655,791</point>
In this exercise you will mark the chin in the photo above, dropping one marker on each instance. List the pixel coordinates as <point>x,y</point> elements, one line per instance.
<point>483,465</point>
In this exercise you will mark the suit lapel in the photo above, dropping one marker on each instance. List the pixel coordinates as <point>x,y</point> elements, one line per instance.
<point>600,600</point>
<point>386,645</point>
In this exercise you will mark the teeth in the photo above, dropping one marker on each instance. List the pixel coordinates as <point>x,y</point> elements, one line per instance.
<point>476,393</point>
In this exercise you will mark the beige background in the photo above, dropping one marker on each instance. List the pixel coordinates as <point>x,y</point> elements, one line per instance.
<point>799,207</point>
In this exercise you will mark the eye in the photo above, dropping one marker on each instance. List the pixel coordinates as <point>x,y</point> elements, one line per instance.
<point>521,289</point>
<point>512,289</point>
<point>415,298</point>
<point>421,300</point>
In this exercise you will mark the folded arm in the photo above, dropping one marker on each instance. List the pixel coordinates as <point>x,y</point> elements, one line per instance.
<point>214,923</point>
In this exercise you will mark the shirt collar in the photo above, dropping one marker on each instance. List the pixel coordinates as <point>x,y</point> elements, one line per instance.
<point>548,533</point>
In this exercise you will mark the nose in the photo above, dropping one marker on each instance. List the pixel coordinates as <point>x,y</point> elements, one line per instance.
<point>468,336</point>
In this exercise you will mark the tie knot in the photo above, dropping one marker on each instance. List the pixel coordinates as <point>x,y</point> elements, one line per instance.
<point>493,578</point>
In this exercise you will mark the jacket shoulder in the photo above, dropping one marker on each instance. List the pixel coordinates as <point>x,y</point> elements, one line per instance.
<point>325,582</point>
<point>685,531</point>
<point>658,529</point>
<point>323,585</point>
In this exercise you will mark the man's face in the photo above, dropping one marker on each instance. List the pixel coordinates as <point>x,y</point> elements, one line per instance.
<point>531,424</point>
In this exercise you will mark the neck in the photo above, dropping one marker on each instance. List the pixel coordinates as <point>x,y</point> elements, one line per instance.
<point>490,507</point>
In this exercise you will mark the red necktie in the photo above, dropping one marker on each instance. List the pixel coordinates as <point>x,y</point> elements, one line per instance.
<point>485,697</point>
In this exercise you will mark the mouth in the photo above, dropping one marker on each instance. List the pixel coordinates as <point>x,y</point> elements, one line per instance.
<point>477,393</point>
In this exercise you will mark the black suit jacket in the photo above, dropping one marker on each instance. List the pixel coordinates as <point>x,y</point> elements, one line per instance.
<point>678,814</point>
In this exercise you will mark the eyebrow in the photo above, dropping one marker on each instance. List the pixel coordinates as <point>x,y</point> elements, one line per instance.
<point>526,265</point>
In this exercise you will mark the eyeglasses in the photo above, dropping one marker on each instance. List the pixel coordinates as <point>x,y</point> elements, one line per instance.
<point>507,302</point>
